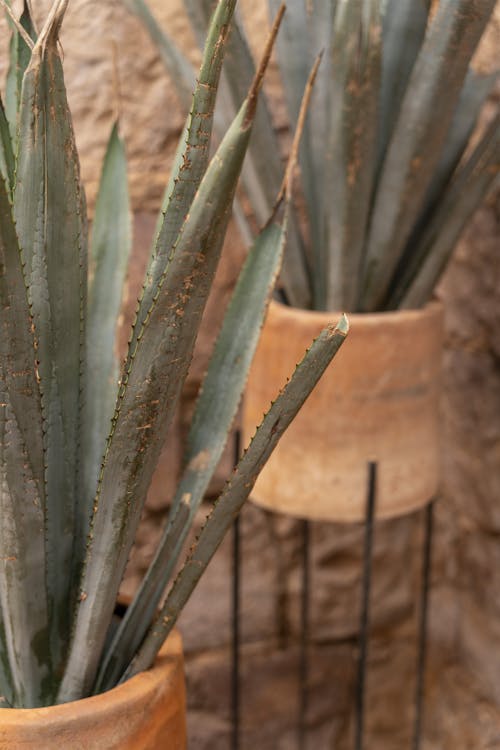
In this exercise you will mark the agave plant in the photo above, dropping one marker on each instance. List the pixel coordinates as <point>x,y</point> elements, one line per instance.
<point>80,436</point>
<point>389,177</point>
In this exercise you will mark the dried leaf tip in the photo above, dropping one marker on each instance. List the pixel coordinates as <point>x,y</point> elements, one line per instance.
<point>259,75</point>
<point>52,24</point>
<point>342,326</point>
<point>19,27</point>
<point>287,185</point>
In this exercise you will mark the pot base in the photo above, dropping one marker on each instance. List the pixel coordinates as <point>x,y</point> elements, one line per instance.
<point>148,712</point>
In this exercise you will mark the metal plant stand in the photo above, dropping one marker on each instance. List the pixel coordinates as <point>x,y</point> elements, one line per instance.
<point>422,635</point>
<point>235,616</point>
<point>364,629</point>
<point>304,636</point>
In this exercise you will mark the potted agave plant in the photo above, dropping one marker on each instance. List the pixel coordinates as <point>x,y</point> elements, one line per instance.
<point>79,439</point>
<point>389,180</point>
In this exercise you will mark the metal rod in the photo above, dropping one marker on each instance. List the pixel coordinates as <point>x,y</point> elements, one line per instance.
<point>365,604</point>
<point>423,621</point>
<point>304,637</point>
<point>235,621</point>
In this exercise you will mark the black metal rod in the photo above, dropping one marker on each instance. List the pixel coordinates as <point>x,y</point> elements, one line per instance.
<point>423,621</point>
<point>364,630</point>
<point>235,622</point>
<point>304,637</point>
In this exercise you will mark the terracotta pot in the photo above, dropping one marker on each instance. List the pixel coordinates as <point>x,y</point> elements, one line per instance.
<point>146,713</point>
<point>378,400</point>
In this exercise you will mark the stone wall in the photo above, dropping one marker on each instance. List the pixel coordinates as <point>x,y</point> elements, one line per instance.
<point>463,687</point>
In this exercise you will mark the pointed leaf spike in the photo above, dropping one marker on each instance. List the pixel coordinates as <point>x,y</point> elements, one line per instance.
<point>287,186</point>
<point>18,26</point>
<point>260,72</point>
<point>238,488</point>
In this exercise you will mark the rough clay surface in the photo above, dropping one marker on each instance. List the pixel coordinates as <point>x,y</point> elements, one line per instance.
<point>463,685</point>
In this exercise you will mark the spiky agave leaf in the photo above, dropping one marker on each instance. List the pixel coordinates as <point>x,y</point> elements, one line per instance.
<point>262,168</point>
<point>261,173</point>
<point>6,151</point>
<point>19,59</point>
<point>238,488</point>
<point>418,138</point>
<point>356,62</point>
<point>190,161</point>
<point>213,416</point>
<point>404,25</point>
<point>307,29</point>
<point>467,189</point>
<point>214,413</point>
<point>156,368</point>
<point>109,254</point>
<point>47,208</point>
<point>475,91</point>
<point>25,650</point>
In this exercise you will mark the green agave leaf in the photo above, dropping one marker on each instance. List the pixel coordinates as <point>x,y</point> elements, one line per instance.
<point>404,26</point>
<point>261,175</point>
<point>417,141</point>
<point>464,195</point>
<point>110,250</point>
<point>6,153</point>
<point>294,52</point>
<point>156,368</point>
<point>296,273</point>
<point>226,508</point>
<point>297,46</point>
<point>262,170</point>
<point>47,206</point>
<point>20,55</point>
<point>306,30</point>
<point>23,599</point>
<point>6,693</point>
<point>183,78</point>
<point>190,161</point>
<point>212,419</point>
<point>356,64</point>
<point>475,91</point>
<point>173,59</point>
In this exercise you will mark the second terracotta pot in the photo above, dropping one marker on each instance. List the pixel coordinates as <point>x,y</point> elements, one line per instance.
<point>378,401</point>
<point>146,713</point>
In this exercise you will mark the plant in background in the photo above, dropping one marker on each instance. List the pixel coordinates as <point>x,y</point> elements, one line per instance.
<point>390,174</point>
<point>77,447</point>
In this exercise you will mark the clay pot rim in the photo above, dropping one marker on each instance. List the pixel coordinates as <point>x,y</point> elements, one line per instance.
<point>387,317</point>
<point>139,685</point>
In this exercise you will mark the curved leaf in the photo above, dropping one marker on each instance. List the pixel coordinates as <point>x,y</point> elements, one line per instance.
<point>464,195</point>
<point>157,364</point>
<point>419,136</point>
<point>110,250</point>
<point>226,508</point>
<point>190,161</point>
<point>6,152</point>
<point>404,25</point>
<point>23,596</point>
<point>356,66</point>
<point>19,59</point>
<point>47,208</point>
<point>212,419</point>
